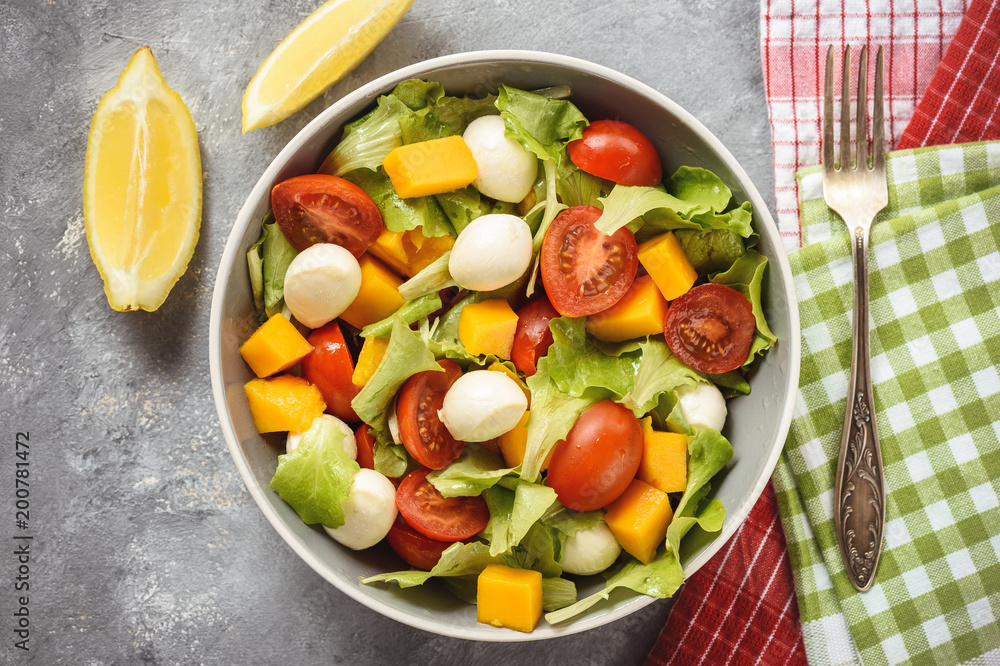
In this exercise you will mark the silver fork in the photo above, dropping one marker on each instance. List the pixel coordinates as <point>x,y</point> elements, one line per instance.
<point>857,192</point>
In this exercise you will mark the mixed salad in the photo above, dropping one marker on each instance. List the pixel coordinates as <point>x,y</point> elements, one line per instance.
<point>531,333</point>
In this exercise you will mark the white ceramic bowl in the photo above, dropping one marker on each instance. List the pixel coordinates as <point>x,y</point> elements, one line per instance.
<point>757,424</point>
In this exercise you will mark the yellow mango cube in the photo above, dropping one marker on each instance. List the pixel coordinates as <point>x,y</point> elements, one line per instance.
<point>430,167</point>
<point>389,249</point>
<point>488,328</point>
<point>369,359</point>
<point>508,597</point>
<point>639,519</point>
<point>379,295</point>
<point>639,313</point>
<point>666,263</point>
<point>275,346</point>
<point>664,459</point>
<point>283,403</point>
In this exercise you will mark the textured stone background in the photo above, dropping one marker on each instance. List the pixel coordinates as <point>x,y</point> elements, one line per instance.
<point>147,547</point>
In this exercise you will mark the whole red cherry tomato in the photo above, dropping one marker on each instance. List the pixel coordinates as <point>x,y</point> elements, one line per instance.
<point>329,367</point>
<point>319,208</point>
<point>710,328</point>
<point>585,271</point>
<point>532,336</point>
<point>617,151</point>
<point>598,459</point>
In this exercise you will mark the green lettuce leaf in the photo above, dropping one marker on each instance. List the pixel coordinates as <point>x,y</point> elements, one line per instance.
<point>660,578</point>
<point>514,507</point>
<point>369,140</point>
<point>315,479</point>
<point>658,371</point>
<point>540,549</point>
<point>626,204</point>
<point>746,276</point>
<point>408,312</point>
<point>447,116</point>
<point>405,356</point>
<point>459,559</point>
<point>475,470</point>
<point>708,453</point>
<point>710,250</point>
<point>401,214</point>
<point>669,415</point>
<point>579,188</point>
<point>576,363</point>
<point>418,94</point>
<point>553,413</point>
<point>463,206</point>
<point>557,593</point>
<point>699,186</point>
<point>569,522</point>
<point>267,262</point>
<point>542,125</point>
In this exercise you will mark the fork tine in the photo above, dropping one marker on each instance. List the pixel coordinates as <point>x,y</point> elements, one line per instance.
<point>828,163</point>
<point>878,129</point>
<point>862,117</point>
<point>845,113</point>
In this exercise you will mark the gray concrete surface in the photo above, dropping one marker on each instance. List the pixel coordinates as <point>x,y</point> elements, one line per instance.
<point>147,548</point>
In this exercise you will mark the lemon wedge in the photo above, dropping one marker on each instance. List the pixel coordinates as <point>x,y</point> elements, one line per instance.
<point>141,187</point>
<point>318,53</point>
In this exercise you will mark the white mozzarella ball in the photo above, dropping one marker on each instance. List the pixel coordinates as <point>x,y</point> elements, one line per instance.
<point>320,283</point>
<point>505,170</point>
<point>482,405</point>
<point>369,511</point>
<point>349,443</point>
<point>493,251</point>
<point>703,405</point>
<point>590,551</point>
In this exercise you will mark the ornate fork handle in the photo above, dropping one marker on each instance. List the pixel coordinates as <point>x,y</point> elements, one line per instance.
<point>859,502</point>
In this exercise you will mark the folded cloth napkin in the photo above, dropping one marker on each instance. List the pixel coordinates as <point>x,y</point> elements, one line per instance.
<point>935,345</point>
<point>794,36</point>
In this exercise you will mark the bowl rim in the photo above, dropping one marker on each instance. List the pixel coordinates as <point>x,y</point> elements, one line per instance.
<point>232,253</point>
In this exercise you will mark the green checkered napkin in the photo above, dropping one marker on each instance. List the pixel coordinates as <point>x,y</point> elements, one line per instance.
<point>935,345</point>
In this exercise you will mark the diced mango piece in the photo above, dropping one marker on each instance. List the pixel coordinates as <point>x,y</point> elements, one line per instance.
<point>369,358</point>
<point>488,328</point>
<point>379,295</point>
<point>388,247</point>
<point>275,346</point>
<point>508,597</point>
<point>422,251</point>
<point>666,263</point>
<point>497,366</point>
<point>639,313</point>
<point>283,403</point>
<point>514,443</point>
<point>639,519</point>
<point>430,167</point>
<point>664,459</point>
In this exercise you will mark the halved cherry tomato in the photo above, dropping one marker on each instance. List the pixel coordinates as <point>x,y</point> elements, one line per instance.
<point>415,549</point>
<point>366,446</point>
<point>710,328</point>
<point>436,516</point>
<point>423,434</point>
<point>598,459</point>
<point>329,368</point>
<point>532,336</point>
<point>617,151</point>
<point>584,270</point>
<point>319,208</point>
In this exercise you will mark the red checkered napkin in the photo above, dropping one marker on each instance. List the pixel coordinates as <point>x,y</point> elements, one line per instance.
<point>794,37</point>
